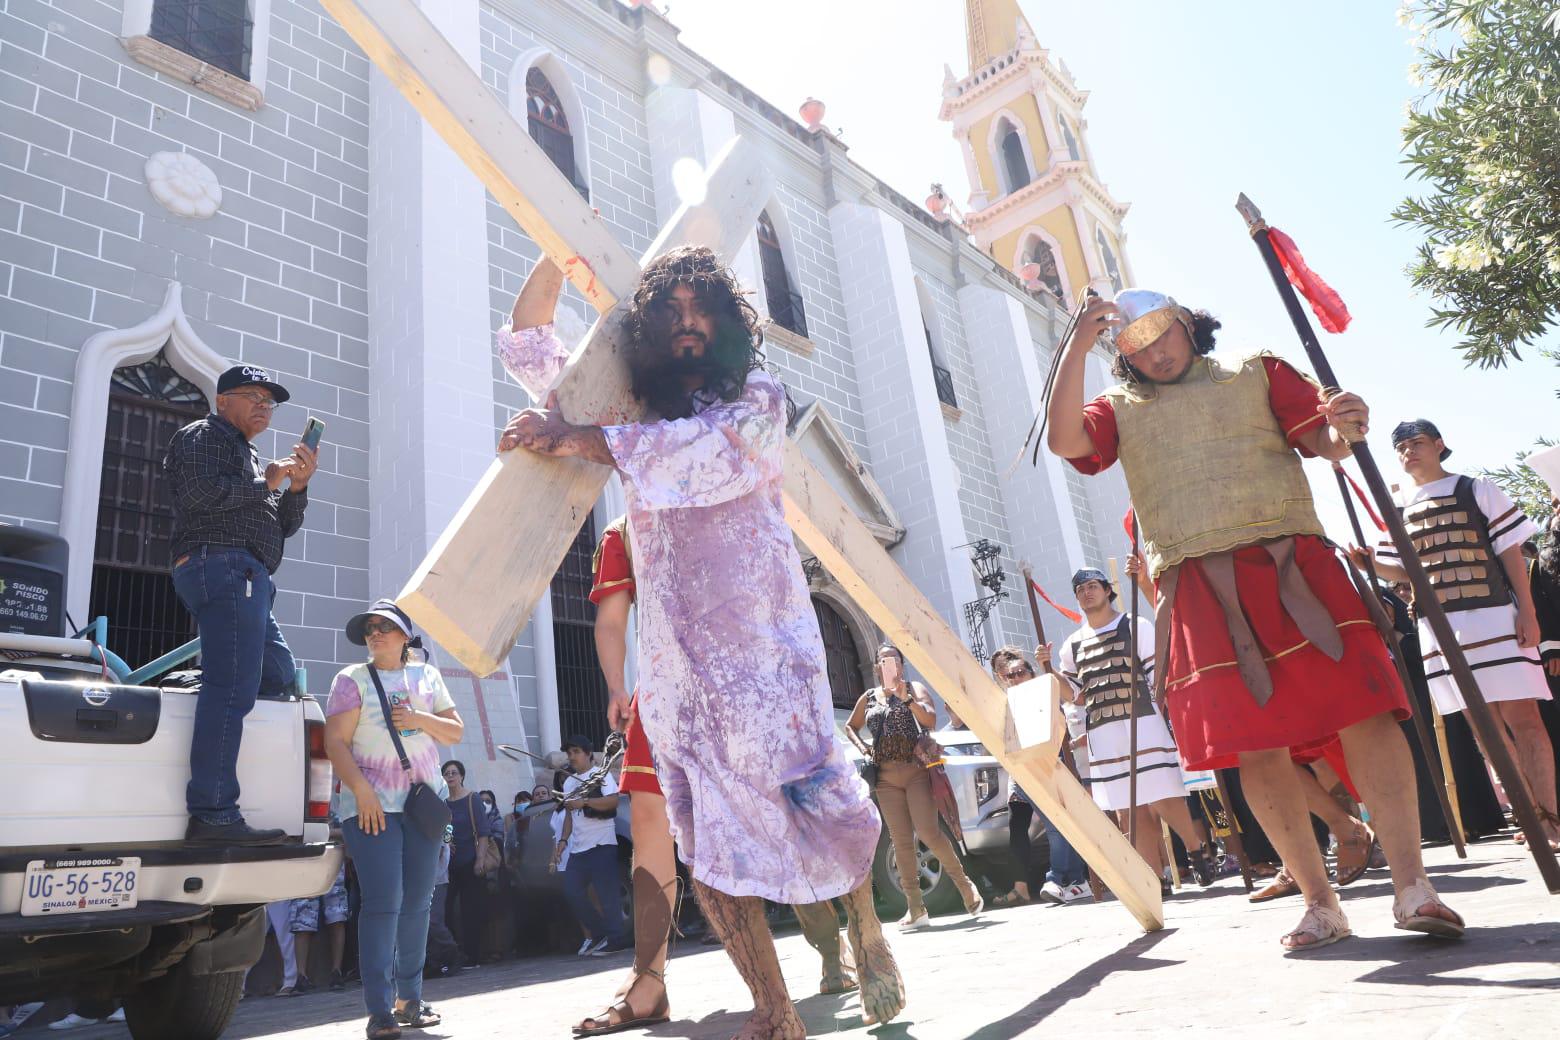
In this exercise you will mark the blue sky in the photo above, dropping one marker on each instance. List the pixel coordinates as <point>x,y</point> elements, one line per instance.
<point>1298,105</point>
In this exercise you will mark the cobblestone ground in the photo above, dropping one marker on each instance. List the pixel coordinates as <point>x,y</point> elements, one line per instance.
<point>1078,971</point>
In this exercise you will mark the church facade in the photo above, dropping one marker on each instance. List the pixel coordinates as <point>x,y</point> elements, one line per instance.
<point>196,184</point>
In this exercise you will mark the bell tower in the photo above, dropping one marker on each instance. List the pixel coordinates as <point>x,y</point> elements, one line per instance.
<point>1035,196</point>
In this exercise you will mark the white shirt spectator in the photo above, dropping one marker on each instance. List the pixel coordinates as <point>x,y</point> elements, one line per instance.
<point>589,833</point>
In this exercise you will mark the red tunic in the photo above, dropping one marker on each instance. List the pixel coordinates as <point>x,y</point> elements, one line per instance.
<point>614,572</point>
<point>1214,716</point>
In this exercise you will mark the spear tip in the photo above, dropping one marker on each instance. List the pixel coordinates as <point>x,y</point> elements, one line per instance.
<point>1252,215</point>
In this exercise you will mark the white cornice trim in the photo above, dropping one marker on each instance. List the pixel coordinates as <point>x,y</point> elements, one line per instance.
<point>1072,173</point>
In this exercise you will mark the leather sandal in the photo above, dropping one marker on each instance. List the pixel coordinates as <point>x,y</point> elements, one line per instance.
<point>1324,924</point>
<point>1012,898</point>
<point>1405,910</point>
<point>621,1015</point>
<point>1354,853</point>
<point>1283,884</point>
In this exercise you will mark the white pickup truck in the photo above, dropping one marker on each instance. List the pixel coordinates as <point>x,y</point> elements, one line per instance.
<point>99,895</point>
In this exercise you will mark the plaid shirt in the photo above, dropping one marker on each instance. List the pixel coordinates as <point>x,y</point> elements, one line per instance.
<point>220,497</point>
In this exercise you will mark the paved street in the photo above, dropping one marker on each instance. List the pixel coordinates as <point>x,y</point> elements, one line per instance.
<point>1082,970</point>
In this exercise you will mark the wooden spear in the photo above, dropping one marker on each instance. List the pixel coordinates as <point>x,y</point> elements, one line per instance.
<point>1425,600</point>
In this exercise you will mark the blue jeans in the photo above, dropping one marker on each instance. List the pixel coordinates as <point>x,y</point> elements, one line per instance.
<point>395,871</point>
<point>242,653</point>
<point>595,868</point>
<point>1067,867</point>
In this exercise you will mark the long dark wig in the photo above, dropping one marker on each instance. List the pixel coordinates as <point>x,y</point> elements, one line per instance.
<point>1204,325</point>
<point>737,349</point>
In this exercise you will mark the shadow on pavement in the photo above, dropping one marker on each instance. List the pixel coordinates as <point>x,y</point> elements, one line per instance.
<point>1129,958</point>
<point>1418,960</point>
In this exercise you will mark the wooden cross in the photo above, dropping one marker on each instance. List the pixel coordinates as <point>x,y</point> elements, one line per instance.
<point>475,590</point>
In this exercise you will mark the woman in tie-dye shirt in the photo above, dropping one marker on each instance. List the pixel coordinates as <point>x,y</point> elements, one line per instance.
<point>395,863</point>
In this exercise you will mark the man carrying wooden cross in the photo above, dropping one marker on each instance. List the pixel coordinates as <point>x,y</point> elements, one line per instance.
<point>1265,650</point>
<point>733,691</point>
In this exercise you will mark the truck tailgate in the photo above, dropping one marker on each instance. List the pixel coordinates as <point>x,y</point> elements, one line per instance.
<point>100,764</point>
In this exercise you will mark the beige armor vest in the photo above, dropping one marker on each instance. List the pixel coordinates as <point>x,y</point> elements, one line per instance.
<point>1208,467</point>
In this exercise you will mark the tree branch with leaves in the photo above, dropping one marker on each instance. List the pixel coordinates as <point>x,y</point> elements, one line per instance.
<point>1485,139</point>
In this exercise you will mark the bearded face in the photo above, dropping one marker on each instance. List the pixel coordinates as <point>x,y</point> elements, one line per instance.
<point>693,333</point>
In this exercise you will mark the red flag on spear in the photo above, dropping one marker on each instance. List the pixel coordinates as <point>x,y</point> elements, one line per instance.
<point>1325,302</point>
<point>1071,615</point>
<point>1359,493</point>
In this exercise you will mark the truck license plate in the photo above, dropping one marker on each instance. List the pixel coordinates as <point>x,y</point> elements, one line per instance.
<point>75,886</point>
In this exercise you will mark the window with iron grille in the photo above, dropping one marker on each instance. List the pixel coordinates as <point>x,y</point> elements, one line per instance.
<point>1108,258</point>
<point>215,31</point>
<point>549,126</point>
<point>840,656</point>
<point>582,690</point>
<point>785,305</point>
<point>940,374</point>
<point>131,581</point>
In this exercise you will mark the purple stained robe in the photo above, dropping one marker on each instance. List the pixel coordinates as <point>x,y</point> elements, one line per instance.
<point>733,691</point>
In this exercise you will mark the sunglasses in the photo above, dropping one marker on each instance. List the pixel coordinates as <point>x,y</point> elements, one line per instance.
<point>1024,672</point>
<point>265,404</point>
<point>380,628</point>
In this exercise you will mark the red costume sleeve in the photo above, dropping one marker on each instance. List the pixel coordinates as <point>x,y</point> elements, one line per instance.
<point>612,571</point>
<point>1099,418</point>
<point>1293,398</point>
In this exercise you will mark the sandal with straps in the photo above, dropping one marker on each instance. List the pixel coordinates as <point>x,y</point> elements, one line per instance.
<point>1324,923</point>
<point>621,1015</point>
<point>1354,854</point>
<point>1405,910</point>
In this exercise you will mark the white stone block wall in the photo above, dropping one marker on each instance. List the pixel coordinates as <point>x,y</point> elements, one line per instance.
<point>277,277</point>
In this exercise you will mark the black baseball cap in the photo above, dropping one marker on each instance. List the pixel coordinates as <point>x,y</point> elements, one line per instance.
<point>1414,428</point>
<point>583,743</point>
<point>384,608</point>
<point>240,376</point>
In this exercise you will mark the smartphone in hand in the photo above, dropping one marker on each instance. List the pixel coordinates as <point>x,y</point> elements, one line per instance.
<point>313,430</point>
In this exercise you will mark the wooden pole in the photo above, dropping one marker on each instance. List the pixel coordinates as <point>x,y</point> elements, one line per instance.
<point>1421,731</point>
<point>1444,751</point>
<point>1425,601</point>
<point>1237,847</point>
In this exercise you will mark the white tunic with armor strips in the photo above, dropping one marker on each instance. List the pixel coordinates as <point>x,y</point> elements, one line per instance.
<point>1096,660</point>
<point>1447,534</point>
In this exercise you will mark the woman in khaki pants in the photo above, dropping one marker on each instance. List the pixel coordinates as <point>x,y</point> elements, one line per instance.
<point>895,713</point>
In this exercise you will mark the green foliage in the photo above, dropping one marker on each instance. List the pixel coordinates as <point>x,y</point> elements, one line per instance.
<point>1526,488</point>
<point>1485,137</point>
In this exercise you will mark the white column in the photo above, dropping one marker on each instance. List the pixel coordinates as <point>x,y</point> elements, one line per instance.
<point>430,374</point>
<point>685,123</point>
<point>910,457</point>
<point>1091,255</point>
<point>1011,374</point>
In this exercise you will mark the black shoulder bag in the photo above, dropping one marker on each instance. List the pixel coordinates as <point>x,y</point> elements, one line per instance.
<point>423,808</point>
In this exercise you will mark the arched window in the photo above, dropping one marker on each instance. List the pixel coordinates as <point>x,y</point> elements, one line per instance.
<point>1070,139</point>
<point>1108,257</point>
<point>941,375</point>
<point>1014,164</point>
<point>131,581</point>
<point>1040,252</point>
<point>840,656</point>
<point>549,126</point>
<point>785,303</point>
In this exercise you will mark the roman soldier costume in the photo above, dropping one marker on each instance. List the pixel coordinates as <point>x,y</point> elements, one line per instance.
<point>1098,662</point>
<point>1460,525</point>
<point>1263,641</point>
<point>612,570</point>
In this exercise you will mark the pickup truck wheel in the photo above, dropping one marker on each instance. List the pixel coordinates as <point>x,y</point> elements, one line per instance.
<point>937,890</point>
<point>193,1007</point>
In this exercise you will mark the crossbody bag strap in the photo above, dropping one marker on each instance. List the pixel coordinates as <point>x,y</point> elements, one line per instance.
<point>384,706</point>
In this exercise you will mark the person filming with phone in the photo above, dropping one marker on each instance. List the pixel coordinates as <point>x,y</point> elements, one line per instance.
<point>232,514</point>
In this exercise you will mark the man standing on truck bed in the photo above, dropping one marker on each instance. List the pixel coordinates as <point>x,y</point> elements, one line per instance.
<point>231,517</point>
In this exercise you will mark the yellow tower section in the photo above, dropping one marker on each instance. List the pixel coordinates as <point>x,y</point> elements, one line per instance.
<point>1034,193</point>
